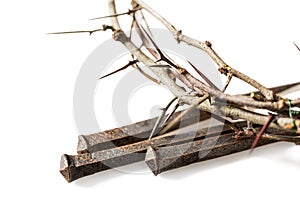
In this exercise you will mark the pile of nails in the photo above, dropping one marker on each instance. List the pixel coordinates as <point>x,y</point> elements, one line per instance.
<point>185,143</point>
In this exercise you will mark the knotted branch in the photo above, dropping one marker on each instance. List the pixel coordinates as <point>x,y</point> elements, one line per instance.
<point>235,109</point>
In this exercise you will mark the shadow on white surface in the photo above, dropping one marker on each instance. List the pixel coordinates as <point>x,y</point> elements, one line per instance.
<point>139,168</point>
<point>97,179</point>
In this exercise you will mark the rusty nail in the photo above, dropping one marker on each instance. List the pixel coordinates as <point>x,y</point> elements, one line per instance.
<point>130,134</point>
<point>160,159</point>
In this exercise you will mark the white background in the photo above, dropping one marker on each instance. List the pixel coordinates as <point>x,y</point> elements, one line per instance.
<point>37,78</point>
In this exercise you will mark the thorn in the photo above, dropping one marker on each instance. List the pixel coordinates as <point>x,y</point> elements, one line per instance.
<point>131,27</point>
<point>104,28</point>
<point>160,118</point>
<point>69,32</point>
<point>157,124</point>
<point>171,114</point>
<point>203,76</point>
<point>181,115</point>
<point>146,23</point>
<point>116,15</point>
<point>296,46</point>
<point>158,60</point>
<point>230,75</point>
<point>120,69</point>
<point>162,56</point>
<point>210,99</point>
<point>262,131</point>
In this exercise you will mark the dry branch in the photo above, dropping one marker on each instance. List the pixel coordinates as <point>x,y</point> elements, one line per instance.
<point>273,103</point>
<point>207,47</point>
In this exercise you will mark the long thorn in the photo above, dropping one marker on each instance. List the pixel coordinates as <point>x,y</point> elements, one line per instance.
<point>157,123</point>
<point>159,120</point>
<point>120,69</point>
<point>171,114</point>
<point>104,28</point>
<point>68,32</point>
<point>146,23</point>
<point>296,46</point>
<point>162,56</point>
<point>227,82</point>
<point>116,15</point>
<point>131,27</point>
<point>203,76</point>
<point>262,131</point>
<point>185,112</point>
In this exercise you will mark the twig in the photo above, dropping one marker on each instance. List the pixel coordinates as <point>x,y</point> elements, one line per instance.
<point>207,47</point>
<point>164,77</point>
<point>179,92</point>
<point>242,101</point>
<point>239,113</point>
<point>214,90</point>
<point>287,138</point>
